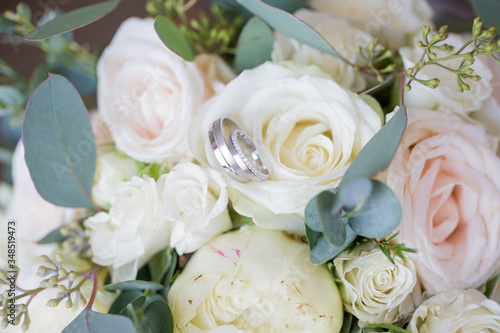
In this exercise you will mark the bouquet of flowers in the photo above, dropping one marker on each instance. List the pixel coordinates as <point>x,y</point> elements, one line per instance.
<point>253,166</point>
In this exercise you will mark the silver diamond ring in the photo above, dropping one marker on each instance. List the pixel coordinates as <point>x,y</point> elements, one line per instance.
<point>236,152</point>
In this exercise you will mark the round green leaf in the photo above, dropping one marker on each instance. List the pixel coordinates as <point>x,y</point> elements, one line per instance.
<point>255,45</point>
<point>121,302</point>
<point>354,193</point>
<point>99,323</point>
<point>159,317</point>
<point>323,250</point>
<point>380,215</point>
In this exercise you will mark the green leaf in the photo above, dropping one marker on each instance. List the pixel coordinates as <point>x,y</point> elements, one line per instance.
<point>378,152</point>
<point>12,100</point>
<point>255,45</point>
<point>354,193</point>
<point>323,250</point>
<point>99,323</point>
<point>59,144</point>
<point>380,214</point>
<point>388,327</point>
<point>169,274</point>
<point>72,20</point>
<point>330,218</point>
<point>491,286</point>
<point>121,302</point>
<point>488,11</point>
<point>288,24</point>
<point>173,38</point>
<point>54,236</point>
<point>133,284</point>
<point>136,304</point>
<point>158,265</point>
<point>159,317</point>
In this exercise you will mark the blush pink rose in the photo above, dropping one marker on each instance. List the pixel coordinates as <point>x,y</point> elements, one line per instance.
<point>447,177</point>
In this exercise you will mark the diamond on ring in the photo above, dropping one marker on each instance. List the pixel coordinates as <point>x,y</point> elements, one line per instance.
<point>236,152</point>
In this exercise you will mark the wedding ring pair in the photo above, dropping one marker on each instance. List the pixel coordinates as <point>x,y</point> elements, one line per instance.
<point>236,152</point>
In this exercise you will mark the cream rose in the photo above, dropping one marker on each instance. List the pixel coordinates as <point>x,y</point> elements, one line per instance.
<point>446,95</point>
<point>196,203</point>
<point>147,94</point>
<point>374,289</point>
<point>255,280</point>
<point>112,169</point>
<point>338,33</point>
<point>392,21</point>
<point>456,310</point>
<point>133,231</point>
<point>445,174</point>
<point>306,128</point>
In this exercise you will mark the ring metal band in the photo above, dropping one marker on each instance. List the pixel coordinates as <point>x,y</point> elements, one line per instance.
<point>235,152</point>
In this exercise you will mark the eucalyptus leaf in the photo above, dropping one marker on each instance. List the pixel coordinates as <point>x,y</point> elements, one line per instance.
<point>288,24</point>
<point>312,215</point>
<point>173,38</point>
<point>380,214</point>
<point>133,284</point>
<point>136,304</point>
<point>99,323</point>
<point>169,273</point>
<point>54,236</point>
<point>154,298</point>
<point>72,20</point>
<point>323,250</point>
<point>159,317</point>
<point>330,218</point>
<point>158,265</point>
<point>378,152</point>
<point>255,45</point>
<point>121,302</point>
<point>59,144</point>
<point>387,327</point>
<point>488,11</point>
<point>354,193</point>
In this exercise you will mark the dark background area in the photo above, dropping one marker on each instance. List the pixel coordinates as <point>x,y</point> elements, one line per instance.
<point>25,58</point>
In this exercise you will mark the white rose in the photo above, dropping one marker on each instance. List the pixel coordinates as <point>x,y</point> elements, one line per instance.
<point>392,21</point>
<point>338,33</point>
<point>457,310</point>
<point>112,169</point>
<point>196,202</point>
<point>147,94</point>
<point>133,231</point>
<point>374,289</point>
<point>446,95</point>
<point>306,128</point>
<point>254,280</point>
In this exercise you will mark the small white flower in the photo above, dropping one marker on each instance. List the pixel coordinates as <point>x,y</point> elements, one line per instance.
<point>196,202</point>
<point>457,310</point>
<point>133,231</point>
<point>374,289</point>
<point>112,169</point>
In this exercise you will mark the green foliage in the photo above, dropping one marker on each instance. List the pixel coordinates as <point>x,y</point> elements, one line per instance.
<point>487,10</point>
<point>72,20</point>
<point>254,45</point>
<point>213,33</point>
<point>378,59</point>
<point>351,325</point>
<point>173,38</point>
<point>482,42</point>
<point>491,285</point>
<point>99,323</point>
<point>133,284</point>
<point>59,144</point>
<point>288,25</point>
<point>378,152</point>
<point>54,236</point>
<point>360,205</point>
<point>121,302</point>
